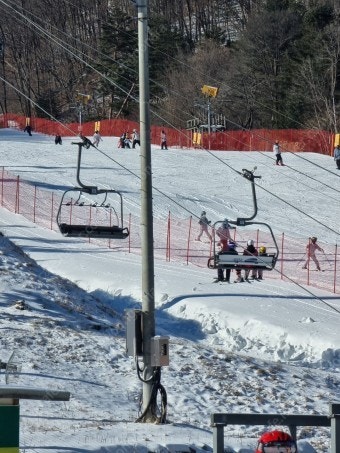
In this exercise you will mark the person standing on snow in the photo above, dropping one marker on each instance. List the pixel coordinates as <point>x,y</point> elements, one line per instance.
<point>311,248</point>
<point>251,251</point>
<point>204,223</point>
<point>337,156</point>
<point>135,138</point>
<point>164,144</point>
<point>223,231</point>
<point>277,152</point>
<point>97,138</point>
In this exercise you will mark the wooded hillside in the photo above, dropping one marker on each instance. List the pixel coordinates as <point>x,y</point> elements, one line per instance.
<point>275,62</point>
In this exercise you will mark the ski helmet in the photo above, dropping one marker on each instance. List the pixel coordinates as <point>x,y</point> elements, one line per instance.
<point>250,242</point>
<point>262,249</point>
<point>279,440</point>
<point>203,213</point>
<point>313,239</point>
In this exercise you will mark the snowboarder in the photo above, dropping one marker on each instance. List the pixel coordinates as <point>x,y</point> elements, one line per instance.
<point>311,248</point>
<point>204,222</point>
<point>277,152</point>
<point>250,250</point>
<point>276,441</point>
<point>337,156</point>
<point>97,138</point>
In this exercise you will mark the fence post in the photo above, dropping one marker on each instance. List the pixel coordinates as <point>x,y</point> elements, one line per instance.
<point>34,202</point>
<point>2,186</point>
<point>335,257</point>
<point>16,209</point>
<point>52,209</point>
<point>167,253</point>
<point>130,232</point>
<point>188,243</point>
<point>282,242</point>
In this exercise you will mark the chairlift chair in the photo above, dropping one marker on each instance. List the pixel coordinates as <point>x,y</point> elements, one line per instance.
<point>225,260</point>
<point>95,216</point>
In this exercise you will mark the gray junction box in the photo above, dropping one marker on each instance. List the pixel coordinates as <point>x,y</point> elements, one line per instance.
<point>159,351</point>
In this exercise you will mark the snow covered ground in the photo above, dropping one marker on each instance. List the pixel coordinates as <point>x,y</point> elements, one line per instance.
<point>269,346</point>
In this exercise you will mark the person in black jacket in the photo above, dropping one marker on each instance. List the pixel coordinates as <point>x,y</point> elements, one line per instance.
<point>251,251</point>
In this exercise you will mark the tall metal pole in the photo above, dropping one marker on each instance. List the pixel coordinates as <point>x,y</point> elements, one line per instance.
<point>148,301</point>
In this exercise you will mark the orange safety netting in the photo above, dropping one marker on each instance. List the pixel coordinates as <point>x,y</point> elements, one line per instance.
<point>294,140</point>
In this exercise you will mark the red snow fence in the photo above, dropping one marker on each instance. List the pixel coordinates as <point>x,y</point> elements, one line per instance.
<point>174,238</point>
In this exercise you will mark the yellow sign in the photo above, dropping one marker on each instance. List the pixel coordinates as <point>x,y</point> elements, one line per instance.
<point>337,139</point>
<point>209,91</point>
<point>97,126</point>
<point>197,138</point>
<point>84,98</point>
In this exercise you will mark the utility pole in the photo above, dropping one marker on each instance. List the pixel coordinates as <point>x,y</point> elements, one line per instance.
<point>148,291</point>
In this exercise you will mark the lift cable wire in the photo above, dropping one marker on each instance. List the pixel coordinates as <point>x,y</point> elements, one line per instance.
<point>297,171</point>
<point>162,193</point>
<point>171,199</point>
<point>155,113</point>
<point>129,94</point>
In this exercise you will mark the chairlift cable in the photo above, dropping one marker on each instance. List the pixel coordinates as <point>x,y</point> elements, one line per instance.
<point>162,193</point>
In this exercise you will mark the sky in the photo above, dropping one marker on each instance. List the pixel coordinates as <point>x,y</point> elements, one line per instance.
<point>270,346</point>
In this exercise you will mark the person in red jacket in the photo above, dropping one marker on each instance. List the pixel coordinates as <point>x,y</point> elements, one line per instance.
<point>311,248</point>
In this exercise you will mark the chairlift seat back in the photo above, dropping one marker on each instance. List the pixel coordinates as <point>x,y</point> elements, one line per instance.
<point>94,231</point>
<point>228,261</point>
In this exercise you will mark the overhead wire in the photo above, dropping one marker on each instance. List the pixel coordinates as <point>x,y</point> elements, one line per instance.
<point>162,193</point>
<point>154,112</point>
<point>109,79</point>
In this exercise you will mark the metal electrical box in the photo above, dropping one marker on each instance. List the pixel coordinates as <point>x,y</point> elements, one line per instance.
<point>134,334</point>
<point>159,351</point>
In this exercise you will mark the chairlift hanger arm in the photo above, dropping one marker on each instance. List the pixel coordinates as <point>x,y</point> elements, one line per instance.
<point>248,174</point>
<point>88,189</point>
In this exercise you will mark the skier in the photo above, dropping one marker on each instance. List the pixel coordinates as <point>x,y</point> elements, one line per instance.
<point>250,250</point>
<point>337,156</point>
<point>97,138</point>
<point>311,248</point>
<point>204,222</point>
<point>276,442</point>
<point>277,152</point>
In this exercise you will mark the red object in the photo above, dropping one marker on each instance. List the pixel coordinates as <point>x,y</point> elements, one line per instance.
<point>272,438</point>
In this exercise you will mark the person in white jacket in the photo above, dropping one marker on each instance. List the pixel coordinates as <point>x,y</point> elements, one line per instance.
<point>96,138</point>
<point>277,152</point>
